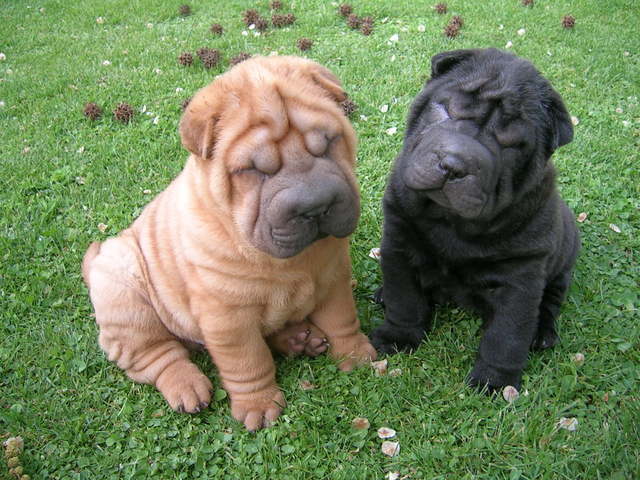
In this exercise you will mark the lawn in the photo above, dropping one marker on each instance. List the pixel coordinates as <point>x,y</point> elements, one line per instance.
<point>66,180</point>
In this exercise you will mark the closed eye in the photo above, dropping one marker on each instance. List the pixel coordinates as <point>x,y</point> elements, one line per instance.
<point>318,142</point>
<point>438,112</point>
<point>240,171</point>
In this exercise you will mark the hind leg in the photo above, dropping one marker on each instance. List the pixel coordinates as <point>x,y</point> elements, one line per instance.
<point>132,335</point>
<point>552,298</point>
<point>299,338</point>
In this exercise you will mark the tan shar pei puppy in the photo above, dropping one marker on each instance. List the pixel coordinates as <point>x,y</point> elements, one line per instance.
<point>247,248</point>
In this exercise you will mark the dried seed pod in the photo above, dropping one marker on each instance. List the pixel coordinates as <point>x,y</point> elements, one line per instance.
<point>527,3</point>
<point>345,9</point>
<point>568,21</point>
<point>289,19</point>
<point>366,20</point>
<point>276,5</point>
<point>353,21</point>
<point>217,29</point>
<point>441,8</point>
<point>457,20</point>
<point>209,56</point>
<point>241,57</point>
<point>210,59</point>
<point>185,10</point>
<point>92,111</point>
<point>261,24</point>
<point>250,16</point>
<point>278,20</point>
<point>366,29</point>
<point>348,106</point>
<point>123,112</point>
<point>186,59</point>
<point>304,44</point>
<point>451,30</point>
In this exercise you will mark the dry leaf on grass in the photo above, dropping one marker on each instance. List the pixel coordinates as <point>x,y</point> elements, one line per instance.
<point>102,227</point>
<point>380,367</point>
<point>614,227</point>
<point>510,393</point>
<point>360,423</point>
<point>578,358</point>
<point>306,385</point>
<point>375,253</point>
<point>570,423</point>
<point>390,449</point>
<point>582,217</point>
<point>386,432</point>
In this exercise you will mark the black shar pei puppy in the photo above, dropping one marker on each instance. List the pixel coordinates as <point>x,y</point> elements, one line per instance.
<point>472,214</point>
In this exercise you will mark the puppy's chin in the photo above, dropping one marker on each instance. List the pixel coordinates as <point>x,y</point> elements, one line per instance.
<point>467,205</point>
<point>282,250</point>
<point>462,197</point>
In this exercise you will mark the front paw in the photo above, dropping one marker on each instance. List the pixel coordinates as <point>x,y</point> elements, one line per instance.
<point>378,296</point>
<point>258,409</point>
<point>352,351</point>
<point>493,379</point>
<point>392,340</point>
<point>545,338</point>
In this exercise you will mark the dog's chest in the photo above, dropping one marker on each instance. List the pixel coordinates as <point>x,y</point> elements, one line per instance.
<point>291,300</point>
<point>453,269</point>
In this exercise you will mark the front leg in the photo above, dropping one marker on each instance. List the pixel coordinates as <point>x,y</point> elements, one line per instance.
<point>504,346</point>
<point>336,316</point>
<point>408,310</point>
<point>247,371</point>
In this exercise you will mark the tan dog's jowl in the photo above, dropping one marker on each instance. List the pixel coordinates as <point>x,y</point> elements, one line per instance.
<point>246,248</point>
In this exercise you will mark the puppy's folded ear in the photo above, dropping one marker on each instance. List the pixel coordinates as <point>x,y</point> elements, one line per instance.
<point>197,125</point>
<point>329,82</point>
<point>561,126</point>
<point>445,61</point>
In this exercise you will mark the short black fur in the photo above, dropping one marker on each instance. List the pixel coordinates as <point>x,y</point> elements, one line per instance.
<point>472,214</point>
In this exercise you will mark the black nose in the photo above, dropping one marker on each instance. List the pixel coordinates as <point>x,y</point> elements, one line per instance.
<point>452,167</point>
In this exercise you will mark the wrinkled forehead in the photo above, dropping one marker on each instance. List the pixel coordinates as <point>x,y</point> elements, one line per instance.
<point>473,92</point>
<point>265,119</point>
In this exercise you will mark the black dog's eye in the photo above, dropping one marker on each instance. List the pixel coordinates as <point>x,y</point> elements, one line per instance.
<point>512,134</point>
<point>438,112</point>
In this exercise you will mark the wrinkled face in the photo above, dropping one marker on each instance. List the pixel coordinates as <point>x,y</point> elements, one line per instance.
<point>282,153</point>
<point>291,190</point>
<point>480,132</point>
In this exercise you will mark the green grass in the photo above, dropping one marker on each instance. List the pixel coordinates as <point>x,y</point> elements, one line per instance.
<point>61,175</point>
